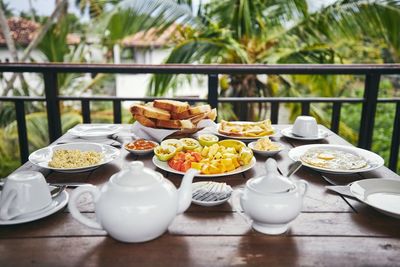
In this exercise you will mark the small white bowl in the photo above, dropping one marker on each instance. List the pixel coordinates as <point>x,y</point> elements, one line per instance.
<point>141,152</point>
<point>210,203</point>
<point>268,153</point>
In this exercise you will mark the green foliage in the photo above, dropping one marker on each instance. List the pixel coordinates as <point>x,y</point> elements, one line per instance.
<point>37,129</point>
<point>131,16</point>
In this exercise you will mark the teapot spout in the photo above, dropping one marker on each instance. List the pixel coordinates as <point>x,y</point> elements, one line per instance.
<point>185,191</point>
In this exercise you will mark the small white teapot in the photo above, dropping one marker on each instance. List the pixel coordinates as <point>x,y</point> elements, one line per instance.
<point>272,201</point>
<point>136,205</point>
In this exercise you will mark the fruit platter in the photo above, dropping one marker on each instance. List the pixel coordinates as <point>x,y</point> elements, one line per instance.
<point>208,155</point>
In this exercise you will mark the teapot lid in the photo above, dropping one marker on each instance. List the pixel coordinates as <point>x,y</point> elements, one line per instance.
<point>272,182</point>
<point>136,175</point>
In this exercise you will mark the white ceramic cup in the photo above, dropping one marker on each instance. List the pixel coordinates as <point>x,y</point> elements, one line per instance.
<point>305,126</point>
<point>23,192</point>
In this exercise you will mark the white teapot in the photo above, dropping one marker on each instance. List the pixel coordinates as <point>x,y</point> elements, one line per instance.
<point>272,201</point>
<point>137,204</point>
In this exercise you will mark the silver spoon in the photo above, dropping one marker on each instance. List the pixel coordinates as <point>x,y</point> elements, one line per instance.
<point>294,168</point>
<point>57,191</point>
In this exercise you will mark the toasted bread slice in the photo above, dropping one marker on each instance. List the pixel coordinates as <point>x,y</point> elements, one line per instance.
<point>212,115</point>
<point>145,121</point>
<point>200,109</point>
<point>181,116</point>
<point>150,112</point>
<point>174,124</point>
<point>198,118</point>
<point>137,109</point>
<point>171,105</point>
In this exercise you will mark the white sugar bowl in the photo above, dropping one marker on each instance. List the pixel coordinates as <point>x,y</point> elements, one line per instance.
<point>272,201</point>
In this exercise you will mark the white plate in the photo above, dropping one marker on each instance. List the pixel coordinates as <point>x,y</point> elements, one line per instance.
<point>58,203</point>
<point>209,203</point>
<point>43,156</point>
<point>164,166</point>
<point>374,161</point>
<point>242,138</point>
<point>287,132</point>
<point>379,193</point>
<point>92,131</point>
<point>265,152</point>
<point>141,152</point>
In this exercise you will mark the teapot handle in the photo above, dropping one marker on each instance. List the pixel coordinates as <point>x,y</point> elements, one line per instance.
<point>72,205</point>
<point>238,206</point>
<point>303,185</point>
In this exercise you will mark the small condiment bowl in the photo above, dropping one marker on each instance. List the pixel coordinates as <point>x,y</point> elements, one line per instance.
<point>141,152</point>
<point>267,153</point>
<point>211,198</point>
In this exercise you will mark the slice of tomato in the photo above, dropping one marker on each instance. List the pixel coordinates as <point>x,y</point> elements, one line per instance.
<point>186,166</point>
<point>175,164</point>
<point>196,155</point>
<point>180,155</point>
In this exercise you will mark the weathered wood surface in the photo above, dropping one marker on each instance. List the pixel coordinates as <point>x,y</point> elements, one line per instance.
<point>330,231</point>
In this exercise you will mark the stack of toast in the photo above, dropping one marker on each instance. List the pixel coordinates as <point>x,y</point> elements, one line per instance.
<point>171,114</point>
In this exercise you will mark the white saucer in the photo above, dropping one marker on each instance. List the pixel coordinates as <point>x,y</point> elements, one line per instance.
<point>58,203</point>
<point>287,132</point>
<point>93,131</point>
<point>379,193</point>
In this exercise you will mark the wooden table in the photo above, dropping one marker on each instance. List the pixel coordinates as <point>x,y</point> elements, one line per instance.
<point>331,230</point>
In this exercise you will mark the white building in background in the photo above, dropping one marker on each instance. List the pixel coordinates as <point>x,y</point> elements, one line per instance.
<point>150,48</point>
<point>140,48</point>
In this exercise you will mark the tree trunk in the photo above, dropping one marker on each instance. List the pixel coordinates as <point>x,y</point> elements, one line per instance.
<point>34,43</point>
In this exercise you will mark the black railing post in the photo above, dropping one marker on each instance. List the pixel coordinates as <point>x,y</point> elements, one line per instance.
<point>368,110</point>
<point>394,149</point>
<point>22,133</point>
<point>213,90</point>
<point>274,112</point>
<point>335,116</point>
<point>117,111</point>
<point>305,108</point>
<point>85,104</point>
<point>52,104</point>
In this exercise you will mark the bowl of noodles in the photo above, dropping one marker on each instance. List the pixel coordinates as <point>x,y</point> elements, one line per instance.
<point>74,157</point>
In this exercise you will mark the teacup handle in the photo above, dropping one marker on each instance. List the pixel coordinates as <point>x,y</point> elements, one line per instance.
<point>5,208</point>
<point>72,205</point>
<point>238,206</point>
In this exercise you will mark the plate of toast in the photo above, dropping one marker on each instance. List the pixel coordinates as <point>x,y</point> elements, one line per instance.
<point>171,114</point>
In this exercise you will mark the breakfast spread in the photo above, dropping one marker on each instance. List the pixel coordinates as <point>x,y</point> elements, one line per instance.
<point>65,158</point>
<point>334,159</point>
<point>141,144</point>
<point>246,129</point>
<point>220,157</point>
<point>171,114</point>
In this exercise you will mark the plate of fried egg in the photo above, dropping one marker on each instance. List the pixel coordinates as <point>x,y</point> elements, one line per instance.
<point>336,159</point>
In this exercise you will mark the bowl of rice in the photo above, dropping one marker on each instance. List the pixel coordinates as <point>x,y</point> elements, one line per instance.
<point>74,157</point>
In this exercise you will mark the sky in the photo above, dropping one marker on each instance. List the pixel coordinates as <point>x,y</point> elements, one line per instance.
<point>42,7</point>
<point>46,7</point>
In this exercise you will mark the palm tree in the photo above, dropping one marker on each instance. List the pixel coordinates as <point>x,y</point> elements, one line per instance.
<point>274,32</point>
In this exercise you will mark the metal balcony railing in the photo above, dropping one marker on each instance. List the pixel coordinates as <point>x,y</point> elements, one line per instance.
<point>369,101</point>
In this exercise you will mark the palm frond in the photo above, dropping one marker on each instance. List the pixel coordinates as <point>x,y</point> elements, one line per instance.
<point>131,16</point>
<point>354,19</point>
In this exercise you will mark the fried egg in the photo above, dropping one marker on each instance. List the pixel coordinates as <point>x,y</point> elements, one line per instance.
<point>333,159</point>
